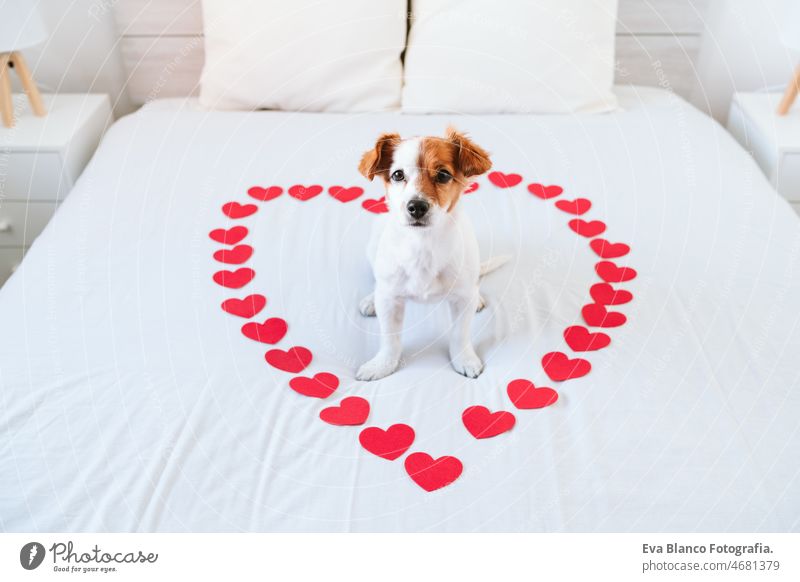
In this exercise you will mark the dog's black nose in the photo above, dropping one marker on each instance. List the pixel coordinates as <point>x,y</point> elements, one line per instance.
<point>417,208</point>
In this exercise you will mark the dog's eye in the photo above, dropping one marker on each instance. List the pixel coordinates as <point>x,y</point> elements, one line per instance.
<point>443,176</point>
<point>398,176</point>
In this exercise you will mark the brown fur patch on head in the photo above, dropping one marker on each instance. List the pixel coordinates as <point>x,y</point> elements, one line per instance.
<point>473,160</point>
<point>457,155</point>
<point>378,160</point>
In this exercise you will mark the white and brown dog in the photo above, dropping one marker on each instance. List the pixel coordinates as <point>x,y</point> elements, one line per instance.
<point>424,249</point>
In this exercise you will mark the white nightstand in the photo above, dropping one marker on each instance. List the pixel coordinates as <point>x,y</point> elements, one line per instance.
<point>773,140</point>
<point>40,160</point>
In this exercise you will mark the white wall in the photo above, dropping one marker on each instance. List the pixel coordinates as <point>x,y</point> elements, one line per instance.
<point>82,52</point>
<point>741,51</point>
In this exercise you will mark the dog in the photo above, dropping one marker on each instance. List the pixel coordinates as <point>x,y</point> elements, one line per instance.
<point>424,249</point>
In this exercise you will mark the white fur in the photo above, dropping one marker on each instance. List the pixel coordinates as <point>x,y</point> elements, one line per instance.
<point>439,262</point>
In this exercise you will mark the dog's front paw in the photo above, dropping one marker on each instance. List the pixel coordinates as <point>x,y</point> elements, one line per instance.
<point>367,306</point>
<point>377,368</point>
<point>468,365</point>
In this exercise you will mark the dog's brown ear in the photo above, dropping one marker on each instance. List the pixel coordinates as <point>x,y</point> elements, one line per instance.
<point>472,159</point>
<point>378,160</point>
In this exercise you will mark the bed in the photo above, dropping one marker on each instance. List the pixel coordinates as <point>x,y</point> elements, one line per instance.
<point>131,401</point>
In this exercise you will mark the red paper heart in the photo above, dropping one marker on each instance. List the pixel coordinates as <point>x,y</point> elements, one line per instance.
<point>605,294</point>
<point>304,192</point>
<point>236,210</point>
<point>578,206</point>
<point>230,236</point>
<point>483,424</point>
<point>545,192</point>
<point>269,332</point>
<point>247,307</point>
<point>525,396</point>
<point>293,360</point>
<point>579,339</point>
<point>321,385</point>
<point>560,368</point>
<point>234,279</point>
<point>235,256</point>
<point>611,273</point>
<point>596,315</point>
<point>265,194</point>
<point>387,444</point>
<point>587,229</point>
<point>432,474</point>
<point>345,194</point>
<point>607,250</point>
<point>375,206</point>
<point>471,188</point>
<point>502,180</point>
<point>351,411</point>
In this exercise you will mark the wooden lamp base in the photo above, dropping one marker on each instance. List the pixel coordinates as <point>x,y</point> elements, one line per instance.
<point>16,61</point>
<point>791,93</point>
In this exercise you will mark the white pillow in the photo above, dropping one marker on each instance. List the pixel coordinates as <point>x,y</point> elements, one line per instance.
<point>303,54</point>
<point>518,56</point>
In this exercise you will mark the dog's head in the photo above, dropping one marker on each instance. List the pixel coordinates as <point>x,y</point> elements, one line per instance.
<point>424,176</point>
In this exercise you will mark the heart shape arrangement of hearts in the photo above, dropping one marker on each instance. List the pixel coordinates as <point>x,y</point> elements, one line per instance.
<point>391,443</point>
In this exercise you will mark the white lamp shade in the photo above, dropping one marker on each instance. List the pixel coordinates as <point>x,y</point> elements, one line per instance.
<point>21,25</point>
<point>789,18</point>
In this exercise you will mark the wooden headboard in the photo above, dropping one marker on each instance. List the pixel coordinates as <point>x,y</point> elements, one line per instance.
<point>162,44</point>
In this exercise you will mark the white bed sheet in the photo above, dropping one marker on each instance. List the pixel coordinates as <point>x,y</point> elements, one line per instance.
<point>130,402</point>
